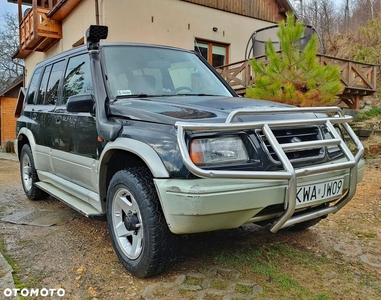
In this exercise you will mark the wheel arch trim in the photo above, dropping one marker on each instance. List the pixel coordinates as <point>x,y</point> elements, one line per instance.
<point>145,152</point>
<point>29,135</point>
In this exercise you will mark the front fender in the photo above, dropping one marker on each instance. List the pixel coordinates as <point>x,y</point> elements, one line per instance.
<point>142,150</point>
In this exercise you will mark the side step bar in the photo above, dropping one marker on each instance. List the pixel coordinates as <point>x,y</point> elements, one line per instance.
<point>72,201</point>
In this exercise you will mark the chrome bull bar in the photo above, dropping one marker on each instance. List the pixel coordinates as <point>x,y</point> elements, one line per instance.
<point>289,173</point>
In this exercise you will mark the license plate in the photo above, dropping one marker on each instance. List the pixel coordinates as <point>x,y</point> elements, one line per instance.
<point>319,191</point>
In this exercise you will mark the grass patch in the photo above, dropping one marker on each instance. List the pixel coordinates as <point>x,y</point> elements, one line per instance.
<point>193,280</point>
<point>244,289</point>
<point>212,297</point>
<point>369,114</point>
<point>2,210</point>
<point>182,292</point>
<point>24,242</point>
<point>288,272</point>
<point>31,283</point>
<point>219,284</point>
<point>362,234</point>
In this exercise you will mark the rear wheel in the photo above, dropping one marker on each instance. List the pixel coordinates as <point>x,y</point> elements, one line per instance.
<point>139,233</point>
<point>29,175</point>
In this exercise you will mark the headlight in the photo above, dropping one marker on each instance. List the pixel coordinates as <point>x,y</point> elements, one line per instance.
<point>218,150</point>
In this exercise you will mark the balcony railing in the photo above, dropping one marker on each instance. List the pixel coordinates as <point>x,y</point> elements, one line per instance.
<point>41,27</point>
<point>38,32</point>
<point>359,79</point>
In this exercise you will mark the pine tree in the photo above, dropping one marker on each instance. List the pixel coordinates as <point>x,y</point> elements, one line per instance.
<point>293,76</point>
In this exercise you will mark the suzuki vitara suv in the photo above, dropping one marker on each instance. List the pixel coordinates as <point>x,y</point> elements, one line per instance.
<point>153,140</point>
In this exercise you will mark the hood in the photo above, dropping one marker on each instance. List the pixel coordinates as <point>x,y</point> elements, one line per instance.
<point>204,109</point>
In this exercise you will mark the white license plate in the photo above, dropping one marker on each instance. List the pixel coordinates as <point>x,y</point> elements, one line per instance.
<point>319,191</point>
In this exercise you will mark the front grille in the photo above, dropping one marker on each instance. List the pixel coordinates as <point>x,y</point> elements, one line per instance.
<point>293,135</point>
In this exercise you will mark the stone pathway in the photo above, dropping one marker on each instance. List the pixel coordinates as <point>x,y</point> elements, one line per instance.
<point>6,278</point>
<point>216,283</point>
<point>356,251</point>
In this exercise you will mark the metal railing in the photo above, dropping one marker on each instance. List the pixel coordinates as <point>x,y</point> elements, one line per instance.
<point>289,172</point>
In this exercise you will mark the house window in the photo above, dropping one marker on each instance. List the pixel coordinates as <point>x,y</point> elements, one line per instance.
<point>216,54</point>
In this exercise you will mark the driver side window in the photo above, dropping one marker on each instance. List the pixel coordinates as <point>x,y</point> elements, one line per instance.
<point>77,77</point>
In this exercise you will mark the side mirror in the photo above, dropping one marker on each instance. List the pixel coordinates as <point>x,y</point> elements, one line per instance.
<point>80,103</point>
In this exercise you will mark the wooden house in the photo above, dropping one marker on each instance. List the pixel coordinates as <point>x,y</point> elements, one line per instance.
<point>8,99</point>
<point>218,29</point>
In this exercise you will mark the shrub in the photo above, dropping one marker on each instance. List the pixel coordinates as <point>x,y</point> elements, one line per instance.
<point>9,147</point>
<point>292,76</point>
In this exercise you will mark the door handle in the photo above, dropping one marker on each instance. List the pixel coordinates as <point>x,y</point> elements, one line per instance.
<point>34,116</point>
<point>58,120</point>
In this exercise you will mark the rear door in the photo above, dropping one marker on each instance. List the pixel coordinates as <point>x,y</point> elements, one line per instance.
<point>34,116</point>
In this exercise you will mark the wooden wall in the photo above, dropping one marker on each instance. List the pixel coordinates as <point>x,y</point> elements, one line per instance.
<point>8,121</point>
<point>268,10</point>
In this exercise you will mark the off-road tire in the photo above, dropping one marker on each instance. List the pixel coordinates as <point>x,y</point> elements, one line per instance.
<point>29,176</point>
<point>134,190</point>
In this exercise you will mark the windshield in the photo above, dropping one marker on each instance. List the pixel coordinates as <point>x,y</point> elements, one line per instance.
<point>153,71</point>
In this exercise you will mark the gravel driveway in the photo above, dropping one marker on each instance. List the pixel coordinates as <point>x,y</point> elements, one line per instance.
<point>76,254</point>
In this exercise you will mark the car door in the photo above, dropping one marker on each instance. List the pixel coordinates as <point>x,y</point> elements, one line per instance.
<point>41,118</point>
<point>75,148</point>
<point>33,116</point>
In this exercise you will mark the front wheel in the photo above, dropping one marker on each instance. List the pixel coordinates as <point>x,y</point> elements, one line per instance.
<point>29,176</point>
<point>139,233</point>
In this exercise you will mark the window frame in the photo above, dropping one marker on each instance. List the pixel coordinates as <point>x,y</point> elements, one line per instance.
<point>37,74</point>
<point>210,49</point>
<point>59,87</point>
<point>63,102</point>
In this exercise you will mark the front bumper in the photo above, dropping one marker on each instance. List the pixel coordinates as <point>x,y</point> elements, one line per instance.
<point>227,198</point>
<point>201,205</point>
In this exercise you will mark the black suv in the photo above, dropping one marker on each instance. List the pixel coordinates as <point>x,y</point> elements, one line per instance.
<point>154,140</point>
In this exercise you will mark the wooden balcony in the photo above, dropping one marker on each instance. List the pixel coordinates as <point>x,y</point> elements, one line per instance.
<point>359,79</point>
<point>60,9</point>
<point>38,32</point>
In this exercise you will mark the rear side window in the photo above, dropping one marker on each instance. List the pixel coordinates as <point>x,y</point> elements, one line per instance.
<point>53,84</point>
<point>43,84</point>
<point>33,86</point>
<point>48,91</point>
<point>77,77</point>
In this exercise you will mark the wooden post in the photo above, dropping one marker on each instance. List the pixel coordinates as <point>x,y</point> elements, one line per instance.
<point>357,102</point>
<point>19,7</point>
<point>35,16</point>
<point>247,73</point>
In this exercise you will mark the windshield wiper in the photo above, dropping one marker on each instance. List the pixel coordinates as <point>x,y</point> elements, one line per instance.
<point>141,95</point>
<point>199,94</point>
